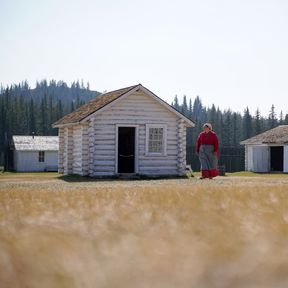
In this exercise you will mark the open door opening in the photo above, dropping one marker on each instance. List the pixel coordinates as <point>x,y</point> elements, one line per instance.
<point>276,158</point>
<point>126,149</point>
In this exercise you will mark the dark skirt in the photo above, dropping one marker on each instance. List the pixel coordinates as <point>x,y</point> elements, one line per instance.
<point>208,161</point>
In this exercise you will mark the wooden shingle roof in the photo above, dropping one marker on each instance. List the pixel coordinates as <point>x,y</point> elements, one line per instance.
<point>105,99</point>
<point>92,106</point>
<point>278,135</point>
<point>35,143</point>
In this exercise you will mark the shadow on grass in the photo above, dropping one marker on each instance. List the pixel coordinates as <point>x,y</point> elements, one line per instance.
<point>74,178</point>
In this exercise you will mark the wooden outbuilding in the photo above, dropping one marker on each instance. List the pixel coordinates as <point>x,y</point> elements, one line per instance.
<point>35,153</point>
<point>130,130</point>
<point>268,151</point>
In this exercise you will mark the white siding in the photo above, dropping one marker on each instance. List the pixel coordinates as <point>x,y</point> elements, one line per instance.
<point>68,150</point>
<point>285,159</point>
<point>61,151</point>
<point>136,109</point>
<point>249,158</point>
<point>27,161</point>
<point>261,158</point>
<point>77,150</point>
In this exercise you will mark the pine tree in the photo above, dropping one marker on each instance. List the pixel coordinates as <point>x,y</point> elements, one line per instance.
<point>44,116</point>
<point>72,106</point>
<point>227,129</point>
<point>197,109</point>
<point>184,107</point>
<point>257,123</point>
<point>247,124</point>
<point>235,129</point>
<point>281,118</point>
<point>190,108</point>
<point>286,120</point>
<point>176,103</point>
<point>272,119</point>
<point>32,121</point>
<point>59,110</point>
<point>212,116</point>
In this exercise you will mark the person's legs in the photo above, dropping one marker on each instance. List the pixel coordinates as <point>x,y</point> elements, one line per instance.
<point>205,174</point>
<point>213,173</point>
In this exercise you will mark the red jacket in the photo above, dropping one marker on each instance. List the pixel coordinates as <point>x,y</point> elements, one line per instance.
<point>209,138</point>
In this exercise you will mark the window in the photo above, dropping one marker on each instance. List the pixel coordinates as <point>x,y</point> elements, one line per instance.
<point>41,156</point>
<point>155,139</point>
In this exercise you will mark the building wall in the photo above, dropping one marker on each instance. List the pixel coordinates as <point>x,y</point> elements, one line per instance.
<point>137,109</point>
<point>61,133</point>
<point>285,159</point>
<point>27,161</point>
<point>249,158</point>
<point>261,159</point>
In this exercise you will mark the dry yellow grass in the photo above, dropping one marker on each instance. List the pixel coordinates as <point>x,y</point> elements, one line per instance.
<point>229,232</point>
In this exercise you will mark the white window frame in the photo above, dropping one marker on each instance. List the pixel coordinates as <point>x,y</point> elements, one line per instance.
<point>164,150</point>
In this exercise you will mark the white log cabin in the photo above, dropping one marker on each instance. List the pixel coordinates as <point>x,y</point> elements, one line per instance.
<point>268,151</point>
<point>130,130</point>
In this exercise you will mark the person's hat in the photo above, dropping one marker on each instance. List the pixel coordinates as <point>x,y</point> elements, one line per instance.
<point>208,125</point>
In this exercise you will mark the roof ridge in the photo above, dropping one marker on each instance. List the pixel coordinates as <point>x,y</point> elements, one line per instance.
<point>93,105</point>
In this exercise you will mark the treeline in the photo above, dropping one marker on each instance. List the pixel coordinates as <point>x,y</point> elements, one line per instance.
<point>24,111</point>
<point>231,127</point>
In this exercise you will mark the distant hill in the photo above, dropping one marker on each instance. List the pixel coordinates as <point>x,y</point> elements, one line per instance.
<point>58,90</point>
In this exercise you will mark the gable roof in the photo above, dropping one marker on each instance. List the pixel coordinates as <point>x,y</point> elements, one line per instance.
<point>278,135</point>
<point>101,101</point>
<point>36,143</point>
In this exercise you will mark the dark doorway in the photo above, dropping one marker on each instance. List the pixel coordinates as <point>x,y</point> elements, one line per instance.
<point>276,158</point>
<point>126,150</point>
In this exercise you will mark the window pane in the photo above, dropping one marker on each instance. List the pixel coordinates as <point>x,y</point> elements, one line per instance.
<point>41,156</point>
<point>155,140</point>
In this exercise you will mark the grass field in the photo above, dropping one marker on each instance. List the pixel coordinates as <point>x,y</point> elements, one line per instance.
<point>228,232</point>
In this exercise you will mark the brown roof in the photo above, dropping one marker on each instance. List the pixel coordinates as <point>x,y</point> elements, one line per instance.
<point>92,106</point>
<point>278,135</point>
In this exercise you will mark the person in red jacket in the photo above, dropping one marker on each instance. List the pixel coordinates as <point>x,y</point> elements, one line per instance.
<point>207,148</point>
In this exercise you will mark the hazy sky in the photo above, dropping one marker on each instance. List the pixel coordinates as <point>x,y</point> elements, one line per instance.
<point>232,53</point>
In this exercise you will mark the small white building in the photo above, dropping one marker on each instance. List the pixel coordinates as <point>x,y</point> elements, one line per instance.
<point>268,151</point>
<point>130,130</point>
<point>35,153</point>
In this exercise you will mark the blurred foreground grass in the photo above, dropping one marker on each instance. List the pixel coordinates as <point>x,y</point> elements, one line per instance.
<point>228,232</point>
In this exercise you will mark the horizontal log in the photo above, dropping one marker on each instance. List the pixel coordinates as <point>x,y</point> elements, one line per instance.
<point>158,163</point>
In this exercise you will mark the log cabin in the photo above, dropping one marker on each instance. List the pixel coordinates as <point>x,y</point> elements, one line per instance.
<point>126,131</point>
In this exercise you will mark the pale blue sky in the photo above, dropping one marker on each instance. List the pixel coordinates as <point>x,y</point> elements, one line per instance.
<point>232,53</point>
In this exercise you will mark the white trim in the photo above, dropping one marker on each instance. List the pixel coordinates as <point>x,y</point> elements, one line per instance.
<point>164,150</point>
<point>136,152</point>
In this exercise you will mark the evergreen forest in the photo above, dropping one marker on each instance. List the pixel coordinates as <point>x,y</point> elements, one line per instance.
<point>27,111</point>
